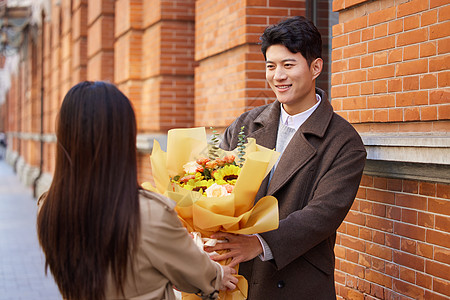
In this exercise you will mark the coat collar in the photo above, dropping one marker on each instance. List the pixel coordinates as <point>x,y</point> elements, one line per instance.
<point>300,150</point>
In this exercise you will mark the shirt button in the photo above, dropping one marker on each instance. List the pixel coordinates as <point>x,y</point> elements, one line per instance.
<point>280,284</point>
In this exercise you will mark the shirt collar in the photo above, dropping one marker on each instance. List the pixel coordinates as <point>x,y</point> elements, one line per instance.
<point>297,120</point>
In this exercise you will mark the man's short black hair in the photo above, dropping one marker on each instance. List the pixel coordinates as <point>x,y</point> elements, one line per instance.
<point>298,34</point>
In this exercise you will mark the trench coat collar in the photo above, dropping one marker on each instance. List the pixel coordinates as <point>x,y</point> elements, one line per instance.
<point>299,151</point>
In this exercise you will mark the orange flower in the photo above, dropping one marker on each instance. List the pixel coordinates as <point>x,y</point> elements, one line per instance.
<point>187,178</point>
<point>202,161</point>
<point>229,159</point>
<point>211,164</point>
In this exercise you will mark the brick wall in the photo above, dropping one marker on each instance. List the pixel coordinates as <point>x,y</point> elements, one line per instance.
<point>390,65</point>
<point>394,242</point>
<point>390,73</point>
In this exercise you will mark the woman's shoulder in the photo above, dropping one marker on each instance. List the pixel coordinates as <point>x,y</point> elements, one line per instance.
<point>154,199</point>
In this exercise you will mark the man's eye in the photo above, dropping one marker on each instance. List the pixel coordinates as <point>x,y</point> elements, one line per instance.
<point>270,67</point>
<point>288,65</point>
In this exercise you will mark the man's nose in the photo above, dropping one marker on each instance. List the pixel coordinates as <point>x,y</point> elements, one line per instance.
<point>280,74</point>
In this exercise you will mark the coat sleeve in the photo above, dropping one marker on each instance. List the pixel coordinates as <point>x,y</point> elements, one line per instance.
<point>173,253</point>
<point>317,222</point>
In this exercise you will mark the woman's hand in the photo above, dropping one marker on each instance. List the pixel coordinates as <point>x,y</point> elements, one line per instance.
<point>228,281</point>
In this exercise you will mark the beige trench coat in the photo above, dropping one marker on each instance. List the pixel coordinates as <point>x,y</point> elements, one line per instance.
<point>166,257</point>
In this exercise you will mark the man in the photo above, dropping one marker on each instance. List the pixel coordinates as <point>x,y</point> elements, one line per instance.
<point>315,180</point>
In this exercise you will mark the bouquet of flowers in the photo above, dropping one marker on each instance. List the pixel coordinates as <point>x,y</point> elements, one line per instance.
<point>215,189</point>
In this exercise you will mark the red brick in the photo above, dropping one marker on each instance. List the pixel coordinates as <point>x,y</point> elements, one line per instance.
<point>424,280</point>
<point>395,55</point>
<point>380,30</point>
<point>363,286</point>
<point>439,96</point>
<point>378,278</point>
<point>355,50</point>
<point>355,24</point>
<point>443,191</point>
<point>367,34</point>
<point>411,186</point>
<point>409,216</point>
<point>411,201</point>
<point>411,67</point>
<point>378,264</point>
<point>413,232</point>
<point>440,30</point>
<point>381,72</point>
<point>356,218</point>
<point>444,46</point>
<point>412,114</point>
<point>428,17</point>
<point>427,49</point>
<point>441,286</point>
<point>438,238</point>
<point>409,260</point>
<point>379,223</point>
<point>444,79</point>
<point>367,61</point>
<point>437,269</point>
<point>442,223</point>
<point>428,81</point>
<point>395,26</point>
<point>411,7</point>
<point>425,219</point>
<point>352,268</point>
<point>395,85</point>
<point>382,16</point>
<point>442,255</point>
<point>392,269</point>
<point>381,115</point>
<point>393,212</point>
<point>378,251</point>
<point>411,22</point>
<point>439,206</point>
<point>440,63</point>
<point>410,83</point>
<point>381,44</point>
<point>407,275</point>
<point>382,101</point>
<point>396,115</point>
<point>412,99</point>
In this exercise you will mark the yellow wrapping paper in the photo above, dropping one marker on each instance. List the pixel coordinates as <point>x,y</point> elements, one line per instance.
<point>234,213</point>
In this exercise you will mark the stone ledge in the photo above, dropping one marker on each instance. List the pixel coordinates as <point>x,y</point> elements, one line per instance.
<point>410,148</point>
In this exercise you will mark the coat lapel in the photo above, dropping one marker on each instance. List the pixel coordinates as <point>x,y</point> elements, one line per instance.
<point>299,151</point>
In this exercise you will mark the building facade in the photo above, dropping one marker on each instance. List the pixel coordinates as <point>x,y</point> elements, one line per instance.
<point>186,63</point>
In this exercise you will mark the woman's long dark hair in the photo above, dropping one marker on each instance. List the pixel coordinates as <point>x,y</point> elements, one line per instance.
<point>89,222</point>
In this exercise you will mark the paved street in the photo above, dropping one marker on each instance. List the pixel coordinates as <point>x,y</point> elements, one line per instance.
<point>21,260</point>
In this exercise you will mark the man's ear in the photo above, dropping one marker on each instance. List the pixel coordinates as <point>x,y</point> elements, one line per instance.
<point>316,67</point>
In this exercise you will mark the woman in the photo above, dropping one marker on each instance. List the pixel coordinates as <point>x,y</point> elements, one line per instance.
<point>104,237</point>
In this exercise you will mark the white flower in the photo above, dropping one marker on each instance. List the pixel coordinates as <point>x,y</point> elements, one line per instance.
<point>191,167</point>
<point>216,190</point>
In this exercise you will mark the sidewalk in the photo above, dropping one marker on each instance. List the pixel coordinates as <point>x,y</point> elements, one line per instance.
<point>22,273</point>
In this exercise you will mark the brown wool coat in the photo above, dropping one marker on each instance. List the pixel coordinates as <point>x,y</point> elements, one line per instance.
<point>315,182</point>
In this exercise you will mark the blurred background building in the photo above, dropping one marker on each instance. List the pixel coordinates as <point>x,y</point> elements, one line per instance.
<point>186,63</point>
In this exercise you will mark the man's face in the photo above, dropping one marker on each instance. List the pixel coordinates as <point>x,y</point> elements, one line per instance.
<point>290,77</point>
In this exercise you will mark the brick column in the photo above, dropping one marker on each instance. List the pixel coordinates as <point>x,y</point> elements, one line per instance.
<point>100,41</point>
<point>79,41</point>
<point>168,65</point>
<point>128,52</point>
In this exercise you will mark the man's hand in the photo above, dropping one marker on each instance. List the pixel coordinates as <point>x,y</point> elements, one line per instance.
<point>242,247</point>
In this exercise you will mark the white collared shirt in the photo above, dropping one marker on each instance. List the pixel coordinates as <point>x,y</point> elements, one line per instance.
<point>297,120</point>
